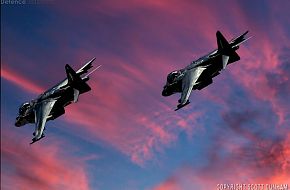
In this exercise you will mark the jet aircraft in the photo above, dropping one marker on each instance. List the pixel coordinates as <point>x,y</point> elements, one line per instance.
<point>50,104</point>
<point>199,73</point>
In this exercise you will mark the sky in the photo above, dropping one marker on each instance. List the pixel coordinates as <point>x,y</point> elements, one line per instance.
<point>123,135</point>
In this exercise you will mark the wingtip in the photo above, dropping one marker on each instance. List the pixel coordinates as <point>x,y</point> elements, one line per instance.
<point>33,141</point>
<point>245,33</point>
<point>93,70</point>
<point>179,106</point>
<point>92,60</point>
<point>176,109</point>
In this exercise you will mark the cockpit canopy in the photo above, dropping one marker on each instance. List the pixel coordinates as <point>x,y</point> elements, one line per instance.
<point>23,108</point>
<point>172,76</point>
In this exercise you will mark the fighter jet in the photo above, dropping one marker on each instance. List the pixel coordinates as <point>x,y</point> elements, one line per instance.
<point>50,104</point>
<point>199,73</point>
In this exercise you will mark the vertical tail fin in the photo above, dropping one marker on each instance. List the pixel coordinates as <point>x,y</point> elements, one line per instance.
<point>225,49</point>
<point>74,80</point>
<point>222,43</point>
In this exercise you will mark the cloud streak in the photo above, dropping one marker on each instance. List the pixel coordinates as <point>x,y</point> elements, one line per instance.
<point>20,81</point>
<point>26,167</point>
<point>138,43</point>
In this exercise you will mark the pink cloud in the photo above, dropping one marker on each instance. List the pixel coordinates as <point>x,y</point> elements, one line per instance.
<point>20,81</point>
<point>169,184</point>
<point>114,116</point>
<point>253,75</point>
<point>264,163</point>
<point>26,167</point>
<point>121,109</point>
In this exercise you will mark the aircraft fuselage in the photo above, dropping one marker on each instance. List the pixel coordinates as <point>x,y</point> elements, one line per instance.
<point>64,96</point>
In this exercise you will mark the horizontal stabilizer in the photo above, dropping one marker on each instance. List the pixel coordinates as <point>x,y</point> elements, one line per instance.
<point>225,49</point>
<point>225,60</point>
<point>234,57</point>
<point>75,81</point>
<point>76,95</point>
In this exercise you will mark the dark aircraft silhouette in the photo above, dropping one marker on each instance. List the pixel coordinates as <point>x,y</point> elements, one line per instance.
<point>200,73</point>
<point>50,104</point>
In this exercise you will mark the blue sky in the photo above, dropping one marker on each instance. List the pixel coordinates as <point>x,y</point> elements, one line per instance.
<point>123,134</point>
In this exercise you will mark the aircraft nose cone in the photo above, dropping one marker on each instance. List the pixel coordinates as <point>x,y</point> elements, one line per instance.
<point>17,122</point>
<point>164,92</point>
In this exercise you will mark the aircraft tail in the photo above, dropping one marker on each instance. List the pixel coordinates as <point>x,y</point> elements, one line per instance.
<point>224,48</point>
<point>75,81</point>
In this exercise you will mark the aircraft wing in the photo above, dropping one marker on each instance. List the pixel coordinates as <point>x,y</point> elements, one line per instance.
<point>188,81</point>
<point>42,111</point>
<point>240,39</point>
<point>86,67</point>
